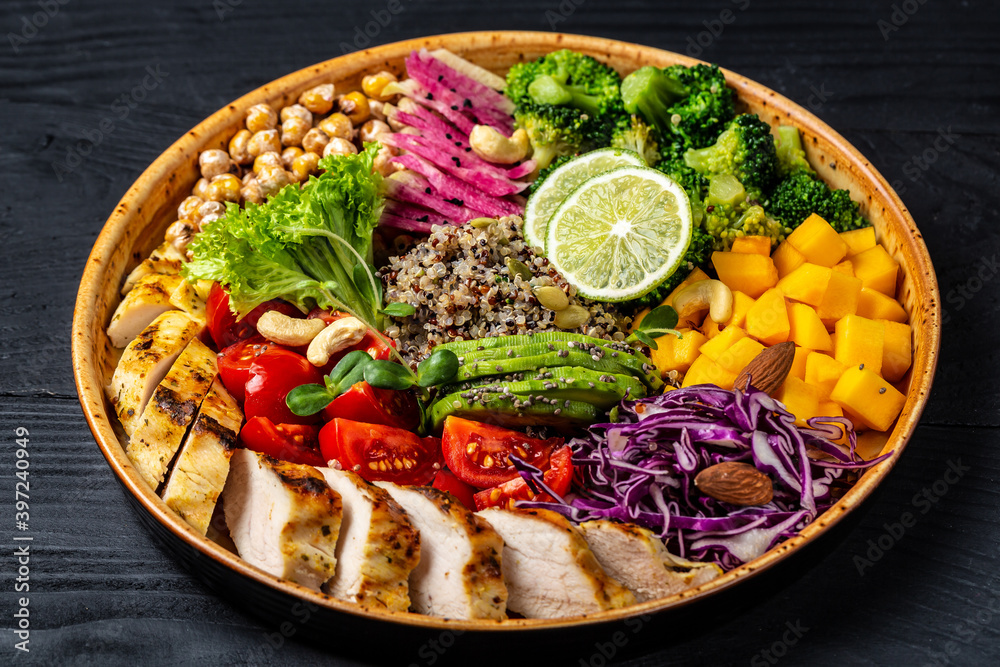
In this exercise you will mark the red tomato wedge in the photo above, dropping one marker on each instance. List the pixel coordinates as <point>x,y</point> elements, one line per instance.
<point>222,323</point>
<point>477,453</point>
<point>378,452</point>
<point>272,375</point>
<point>446,481</point>
<point>296,443</point>
<point>558,477</point>
<point>364,403</point>
<point>235,361</point>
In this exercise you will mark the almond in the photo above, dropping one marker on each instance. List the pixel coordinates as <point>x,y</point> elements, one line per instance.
<point>735,483</point>
<point>768,370</point>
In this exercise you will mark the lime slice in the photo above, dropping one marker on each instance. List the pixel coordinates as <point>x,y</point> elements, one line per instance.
<point>620,234</point>
<point>568,177</point>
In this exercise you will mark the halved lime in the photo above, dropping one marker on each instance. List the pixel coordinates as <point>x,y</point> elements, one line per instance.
<point>620,234</point>
<point>544,201</point>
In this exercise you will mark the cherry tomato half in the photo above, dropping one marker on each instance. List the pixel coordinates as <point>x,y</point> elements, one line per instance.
<point>235,361</point>
<point>446,481</point>
<point>478,453</point>
<point>365,403</point>
<point>379,452</point>
<point>558,478</point>
<point>222,323</point>
<point>272,375</point>
<point>296,443</point>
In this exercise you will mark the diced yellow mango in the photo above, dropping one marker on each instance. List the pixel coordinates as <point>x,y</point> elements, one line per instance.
<point>676,354</point>
<point>806,283</point>
<point>829,409</point>
<point>706,371</point>
<point>741,304</point>
<point>840,298</point>
<point>767,319</point>
<point>858,240</point>
<point>695,275</point>
<point>798,369</point>
<point>822,372</point>
<point>870,444</point>
<point>897,351</point>
<point>801,399</point>
<point>739,354</point>
<point>876,269</point>
<point>844,267</point>
<point>866,396</point>
<point>754,245</point>
<point>714,348</point>
<point>858,340</point>
<point>787,258</point>
<point>750,274</point>
<point>806,329</point>
<point>818,241</point>
<point>877,306</point>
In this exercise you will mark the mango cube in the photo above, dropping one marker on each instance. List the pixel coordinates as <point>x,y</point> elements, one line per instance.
<point>840,298</point>
<point>714,348</point>
<point>806,283</point>
<point>711,328</point>
<point>767,319</point>
<point>870,444</point>
<point>706,371</point>
<point>866,396</point>
<point>859,341</point>
<point>858,240</point>
<point>741,304</point>
<point>830,409</point>
<point>741,353</point>
<point>755,245</point>
<point>798,369</point>
<point>806,329</point>
<point>676,354</point>
<point>749,273</point>
<point>801,399</point>
<point>876,269</point>
<point>787,258</point>
<point>818,241</point>
<point>822,372</point>
<point>897,352</point>
<point>877,306</point>
<point>844,267</point>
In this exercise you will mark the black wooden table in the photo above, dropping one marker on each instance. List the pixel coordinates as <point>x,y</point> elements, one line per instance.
<point>91,93</point>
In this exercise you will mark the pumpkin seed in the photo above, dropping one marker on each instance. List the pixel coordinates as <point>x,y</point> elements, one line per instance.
<point>482,223</point>
<point>519,268</point>
<point>572,317</point>
<point>552,297</point>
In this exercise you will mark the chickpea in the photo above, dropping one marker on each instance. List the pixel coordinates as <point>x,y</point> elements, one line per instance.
<point>261,117</point>
<point>206,219</point>
<point>224,187</point>
<point>238,147</point>
<point>355,106</point>
<point>263,142</point>
<point>180,233</point>
<point>383,161</point>
<point>289,154</point>
<point>201,189</point>
<point>297,111</point>
<point>213,162</point>
<point>186,210</point>
<point>318,100</point>
<point>293,130</point>
<point>372,129</point>
<point>373,84</point>
<point>210,208</point>
<point>270,159</point>
<point>304,165</point>
<point>390,117</point>
<point>271,180</point>
<point>315,140</point>
<point>338,146</point>
<point>251,190</point>
<point>337,125</point>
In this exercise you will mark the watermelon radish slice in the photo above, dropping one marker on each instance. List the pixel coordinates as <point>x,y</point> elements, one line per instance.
<point>460,93</point>
<point>465,193</point>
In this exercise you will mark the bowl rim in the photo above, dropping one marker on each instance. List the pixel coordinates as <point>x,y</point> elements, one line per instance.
<point>89,382</point>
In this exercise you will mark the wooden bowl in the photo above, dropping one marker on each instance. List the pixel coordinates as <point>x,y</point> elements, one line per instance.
<point>138,222</point>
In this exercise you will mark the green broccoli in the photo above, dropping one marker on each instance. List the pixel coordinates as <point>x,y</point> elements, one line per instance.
<point>694,184</point>
<point>633,134</point>
<point>745,149</point>
<point>689,106</point>
<point>699,253</point>
<point>788,147</point>
<point>802,193</point>
<point>557,131</point>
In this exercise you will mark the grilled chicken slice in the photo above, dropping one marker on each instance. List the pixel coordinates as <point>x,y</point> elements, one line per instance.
<point>638,559</point>
<point>149,298</point>
<point>283,517</point>
<point>549,570</point>
<point>199,474</point>
<point>170,411</point>
<point>144,363</point>
<point>186,297</point>
<point>165,259</point>
<point>378,546</point>
<point>459,575</point>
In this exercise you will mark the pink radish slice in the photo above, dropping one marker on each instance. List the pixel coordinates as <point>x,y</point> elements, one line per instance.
<point>406,224</point>
<point>419,94</point>
<point>418,213</point>
<point>469,104</point>
<point>404,192</point>
<point>431,125</point>
<point>522,170</point>
<point>465,85</point>
<point>446,183</point>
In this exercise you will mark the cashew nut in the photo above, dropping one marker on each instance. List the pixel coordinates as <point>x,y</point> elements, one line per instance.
<point>492,146</point>
<point>337,336</point>
<point>284,330</point>
<point>702,294</point>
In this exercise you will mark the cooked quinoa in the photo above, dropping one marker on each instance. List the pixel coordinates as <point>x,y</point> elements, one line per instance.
<point>460,284</point>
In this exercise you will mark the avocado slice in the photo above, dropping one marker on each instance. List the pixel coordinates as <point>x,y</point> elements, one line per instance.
<point>544,359</point>
<point>603,390</point>
<point>509,410</point>
<point>460,347</point>
<point>635,365</point>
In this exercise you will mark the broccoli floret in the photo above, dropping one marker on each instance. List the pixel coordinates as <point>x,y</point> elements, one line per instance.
<point>730,213</point>
<point>698,254</point>
<point>556,131</point>
<point>802,193</point>
<point>689,106</point>
<point>694,184</point>
<point>745,149</point>
<point>788,147</point>
<point>635,135</point>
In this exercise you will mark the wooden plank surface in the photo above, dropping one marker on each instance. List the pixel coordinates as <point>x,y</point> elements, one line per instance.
<point>103,592</point>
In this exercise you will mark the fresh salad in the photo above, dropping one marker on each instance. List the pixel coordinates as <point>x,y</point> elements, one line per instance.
<point>621,307</point>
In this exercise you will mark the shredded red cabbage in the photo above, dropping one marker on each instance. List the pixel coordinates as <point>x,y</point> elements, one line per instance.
<point>641,470</point>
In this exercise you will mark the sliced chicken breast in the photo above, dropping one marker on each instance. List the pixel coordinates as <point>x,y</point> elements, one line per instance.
<point>144,363</point>
<point>549,570</point>
<point>185,297</point>
<point>283,517</point>
<point>164,259</point>
<point>196,481</point>
<point>164,422</point>
<point>378,546</point>
<point>148,299</point>
<point>459,575</point>
<point>638,559</point>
